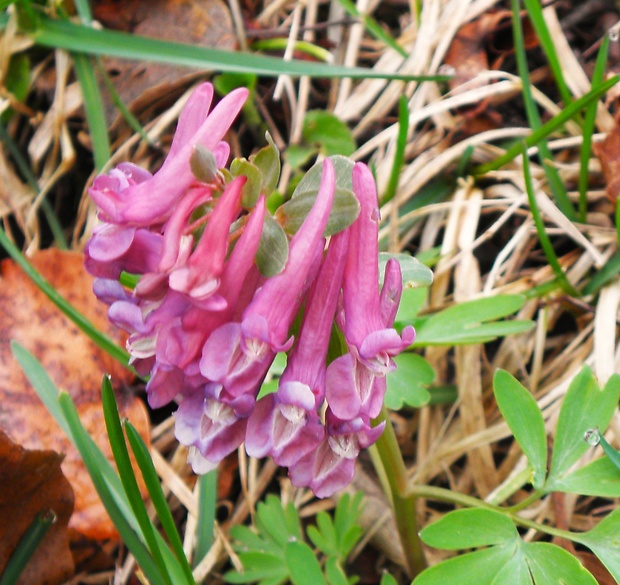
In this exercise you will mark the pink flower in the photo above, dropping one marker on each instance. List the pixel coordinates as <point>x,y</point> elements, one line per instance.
<point>152,200</point>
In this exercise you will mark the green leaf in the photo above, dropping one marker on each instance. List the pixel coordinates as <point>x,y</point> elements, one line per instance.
<point>604,541</point>
<point>302,565</point>
<point>26,547</point>
<point>415,274</point>
<point>334,572</point>
<point>258,566</point>
<point>267,159</point>
<point>345,210</point>
<point>465,323</point>
<point>525,420</point>
<point>585,406</point>
<point>345,207</point>
<point>346,517</point>
<point>74,37</point>
<point>127,475</point>
<point>272,251</point>
<point>469,528</point>
<point>551,565</point>
<point>251,191</point>
<point>387,579</point>
<point>611,453</point>
<point>407,384</point>
<point>598,478</point>
<point>276,522</point>
<point>568,113</point>
<point>297,155</point>
<point>17,78</point>
<point>477,568</point>
<point>329,133</point>
<point>323,535</point>
<point>411,302</point>
<point>158,499</point>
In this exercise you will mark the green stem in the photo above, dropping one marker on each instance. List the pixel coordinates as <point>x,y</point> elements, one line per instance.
<point>445,495</point>
<point>403,501</point>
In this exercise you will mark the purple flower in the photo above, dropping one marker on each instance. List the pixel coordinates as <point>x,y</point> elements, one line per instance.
<point>152,201</point>
<point>332,465</point>
<point>237,355</point>
<point>365,330</point>
<point>286,424</point>
<point>355,384</point>
<point>210,427</point>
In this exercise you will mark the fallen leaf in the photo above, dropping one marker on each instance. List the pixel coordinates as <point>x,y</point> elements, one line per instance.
<point>73,362</point>
<point>33,483</point>
<point>608,152</point>
<point>205,23</point>
<point>482,44</point>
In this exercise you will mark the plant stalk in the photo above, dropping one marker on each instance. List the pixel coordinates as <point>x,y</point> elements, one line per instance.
<point>403,501</point>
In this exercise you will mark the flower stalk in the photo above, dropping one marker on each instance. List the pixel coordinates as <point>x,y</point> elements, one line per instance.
<point>403,500</point>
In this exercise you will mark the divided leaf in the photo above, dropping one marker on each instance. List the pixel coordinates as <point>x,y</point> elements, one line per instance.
<point>407,384</point>
<point>598,478</point>
<point>585,406</point>
<point>469,528</point>
<point>525,420</point>
<point>604,541</point>
<point>467,322</point>
<point>507,561</point>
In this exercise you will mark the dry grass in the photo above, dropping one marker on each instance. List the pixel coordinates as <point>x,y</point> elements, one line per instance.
<point>484,231</point>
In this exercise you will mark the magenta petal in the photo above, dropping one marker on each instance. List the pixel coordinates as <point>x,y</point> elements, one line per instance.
<point>192,116</point>
<point>348,385</point>
<point>391,292</point>
<point>128,316</point>
<point>258,441</point>
<point>325,471</point>
<point>110,241</point>
<point>109,291</point>
<point>210,426</point>
<point>277,301</point>
<point>165,384</point>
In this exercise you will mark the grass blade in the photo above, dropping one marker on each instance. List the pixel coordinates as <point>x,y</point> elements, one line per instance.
<point>588,130</point>
<point>399,154</point>
<point>126,473</point>
<point>145,463</point>
<point>93,105</point>
<point>207,499</point>
<point>102,340</point>
<point>534,10</point>
<point>531,109</point>
<point>86,447</point>
<point>545,242</point>
<point>26,547</point>
<point>548,127</point>
<point>74,37</point>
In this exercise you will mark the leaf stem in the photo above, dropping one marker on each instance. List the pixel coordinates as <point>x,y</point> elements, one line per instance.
<point>403,501</point>
<point>444,495</point>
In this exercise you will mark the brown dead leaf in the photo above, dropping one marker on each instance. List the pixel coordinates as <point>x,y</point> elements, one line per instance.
<point>73,362</point>
<point>480,45</point>
<point>205,23</point>
<point>608,152</point>
<point>32,482</point>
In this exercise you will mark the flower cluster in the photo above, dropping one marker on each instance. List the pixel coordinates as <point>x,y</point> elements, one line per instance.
<point>205,324</point>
